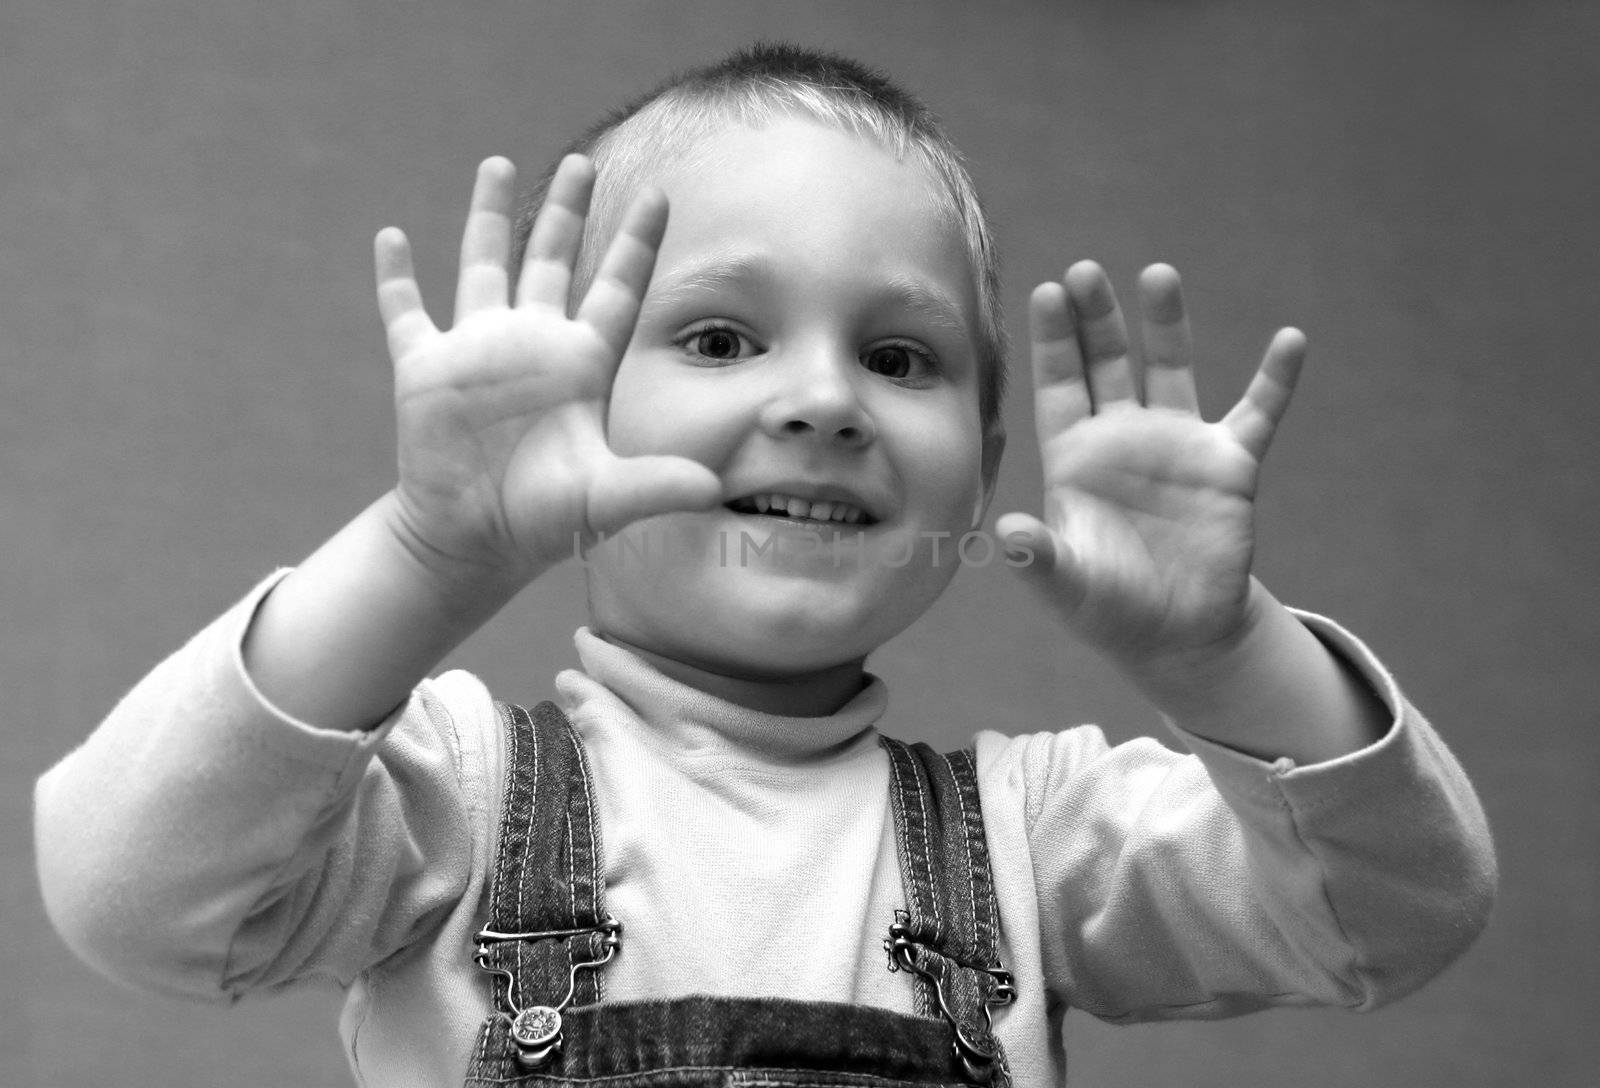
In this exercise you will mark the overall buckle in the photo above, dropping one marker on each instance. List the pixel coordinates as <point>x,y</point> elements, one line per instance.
<point>536,1030</point>
<point>977,1048</point>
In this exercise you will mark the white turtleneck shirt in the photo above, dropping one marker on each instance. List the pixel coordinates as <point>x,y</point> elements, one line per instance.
<point>201,843</point>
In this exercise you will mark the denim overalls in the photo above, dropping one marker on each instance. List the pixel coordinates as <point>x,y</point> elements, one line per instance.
<point>548,938</point>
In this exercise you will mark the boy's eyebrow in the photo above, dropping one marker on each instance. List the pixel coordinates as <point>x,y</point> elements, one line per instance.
<point>932,303</point>
<point>707,276</point>
<point>717,271</point>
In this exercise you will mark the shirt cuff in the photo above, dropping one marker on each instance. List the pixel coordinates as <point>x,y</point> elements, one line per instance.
<point>290,736</point>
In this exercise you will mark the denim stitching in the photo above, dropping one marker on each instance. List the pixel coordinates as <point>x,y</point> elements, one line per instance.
<point>926,877</point>
<point>532,800</point>
<point>585,859</point>
<point>972,861</point>
<point>502,861</point>
<point>595,853</point>
<point>902,765</point>
<point>985,905</point>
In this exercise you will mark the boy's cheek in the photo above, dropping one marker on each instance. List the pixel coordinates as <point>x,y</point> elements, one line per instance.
<point>655,408</point>
<point>632,428</point>
<point>959,473</point>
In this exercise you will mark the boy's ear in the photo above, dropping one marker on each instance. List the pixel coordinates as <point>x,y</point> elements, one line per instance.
<point>994,444</point>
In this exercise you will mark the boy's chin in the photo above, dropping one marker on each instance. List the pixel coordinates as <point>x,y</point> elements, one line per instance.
<point>790,610</point>
<point>772,632</point>
<point>757,642</point>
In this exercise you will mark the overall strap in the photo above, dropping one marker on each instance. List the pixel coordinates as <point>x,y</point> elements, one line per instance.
<point>547,929</point>
<point>949,933</point>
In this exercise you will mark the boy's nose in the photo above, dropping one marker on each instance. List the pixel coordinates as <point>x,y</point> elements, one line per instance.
<point>820,398</point>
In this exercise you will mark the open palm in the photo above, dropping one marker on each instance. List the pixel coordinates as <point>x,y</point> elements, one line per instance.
<point>500,418</point>
<point>1146,541</point>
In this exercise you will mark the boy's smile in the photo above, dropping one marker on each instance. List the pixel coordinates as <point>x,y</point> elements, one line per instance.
<point>809,335</point>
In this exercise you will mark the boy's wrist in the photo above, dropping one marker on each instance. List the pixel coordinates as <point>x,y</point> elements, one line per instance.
<point>472,585</point>
<point>342,640</point>
<point>1272,689</point>
<point>1187,682</point>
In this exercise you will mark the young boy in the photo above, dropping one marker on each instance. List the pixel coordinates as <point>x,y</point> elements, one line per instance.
<point>759,416</point>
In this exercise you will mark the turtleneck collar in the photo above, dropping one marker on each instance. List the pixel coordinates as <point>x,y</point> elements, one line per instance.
<point>691,717</point>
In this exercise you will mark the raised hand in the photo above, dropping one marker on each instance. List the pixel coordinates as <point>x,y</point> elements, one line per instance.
<point>1147,537</point>
<point>502,449</point>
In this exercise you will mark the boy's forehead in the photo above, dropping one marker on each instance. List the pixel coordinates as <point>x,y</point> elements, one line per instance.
<point>765,156</point>
<point>746,201</point>
<point>797,143</point>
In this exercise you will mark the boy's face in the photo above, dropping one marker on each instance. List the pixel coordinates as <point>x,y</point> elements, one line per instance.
<point>809,333</point>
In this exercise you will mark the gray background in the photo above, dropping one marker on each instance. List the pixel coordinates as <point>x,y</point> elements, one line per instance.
<point>193,390</point>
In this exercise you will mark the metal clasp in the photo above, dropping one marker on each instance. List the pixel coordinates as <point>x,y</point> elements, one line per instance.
<point>536,1030</point>
<point>980,1058</point>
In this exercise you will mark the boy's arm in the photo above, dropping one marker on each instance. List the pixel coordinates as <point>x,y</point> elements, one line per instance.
<point>1217,885</point>
<point>1147,540</point>
<point>200,844</point>
<point>235,822</point>
<point>503,461</point>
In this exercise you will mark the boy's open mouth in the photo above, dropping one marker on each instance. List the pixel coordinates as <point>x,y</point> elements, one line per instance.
<point>778,505</point>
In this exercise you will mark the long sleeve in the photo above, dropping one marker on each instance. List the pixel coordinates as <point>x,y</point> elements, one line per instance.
<point>200,844</point>
<point>1211,884</point>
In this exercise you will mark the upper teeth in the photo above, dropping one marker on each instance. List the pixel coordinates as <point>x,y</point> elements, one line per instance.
<point>805,508</point>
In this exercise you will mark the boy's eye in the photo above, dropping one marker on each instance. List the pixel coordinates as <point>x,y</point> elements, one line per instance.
<point>900,361</point>
<point>718,342</point>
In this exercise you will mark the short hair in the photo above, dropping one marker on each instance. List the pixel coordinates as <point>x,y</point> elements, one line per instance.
<point>755,86</point>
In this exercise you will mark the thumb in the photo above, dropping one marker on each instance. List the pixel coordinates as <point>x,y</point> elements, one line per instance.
<point>630,488</point>
<point>1041,558</point>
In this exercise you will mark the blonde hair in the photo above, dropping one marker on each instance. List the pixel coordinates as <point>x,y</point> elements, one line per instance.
<point>754,87</point>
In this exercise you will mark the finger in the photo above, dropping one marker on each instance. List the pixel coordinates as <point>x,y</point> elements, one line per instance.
<point>1102,336</point>
<point>612,304</point>
<point>631,488</point>
<point>557,235</point>
<point>1060,394</point>
<point>481,282</point>
<point>405,322</point>
<point>1041,558</point>
<point>1255,418</point>
<point>1168,350</point>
